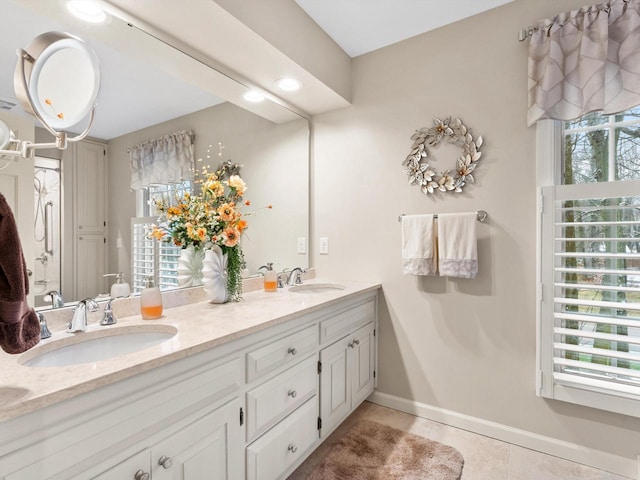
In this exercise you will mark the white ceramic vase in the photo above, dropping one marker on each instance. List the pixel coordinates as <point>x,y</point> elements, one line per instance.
<point>214,274</point>
<point>190,264</point>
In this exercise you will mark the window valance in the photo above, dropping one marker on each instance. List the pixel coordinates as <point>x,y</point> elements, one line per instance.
<point>168,159</point>
<point>584,61</point>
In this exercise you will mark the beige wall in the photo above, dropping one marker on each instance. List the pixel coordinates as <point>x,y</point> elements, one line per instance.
<point>275,168</point>
<point>463,345</point>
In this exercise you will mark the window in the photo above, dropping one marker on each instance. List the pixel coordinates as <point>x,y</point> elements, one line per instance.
<point>589,315</point>
<point>150,257</point>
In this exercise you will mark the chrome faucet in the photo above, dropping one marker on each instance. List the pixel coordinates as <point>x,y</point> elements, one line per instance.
<point>295,276</point>
<point>56,299</point>
<point>44,329</point>
<point>79,320</point>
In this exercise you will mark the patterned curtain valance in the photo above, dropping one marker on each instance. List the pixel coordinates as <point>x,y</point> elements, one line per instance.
<point>168,159</point>
<point>584,61</point>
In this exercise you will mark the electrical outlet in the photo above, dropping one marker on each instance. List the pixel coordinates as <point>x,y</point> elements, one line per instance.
<point>302,245</point>
<point>324,246</point>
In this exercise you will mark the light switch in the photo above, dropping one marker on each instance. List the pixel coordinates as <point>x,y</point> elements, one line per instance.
<point>302,245</point>
<point>324,246</point>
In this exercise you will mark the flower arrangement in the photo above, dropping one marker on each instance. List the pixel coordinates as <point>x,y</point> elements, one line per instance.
<point>210,217</point>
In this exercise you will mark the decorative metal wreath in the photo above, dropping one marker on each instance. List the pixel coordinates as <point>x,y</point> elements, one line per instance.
<point>420,172</point>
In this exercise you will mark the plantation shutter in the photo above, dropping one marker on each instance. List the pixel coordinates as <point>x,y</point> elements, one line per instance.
<point>149,257</point>
<point>591,292</point>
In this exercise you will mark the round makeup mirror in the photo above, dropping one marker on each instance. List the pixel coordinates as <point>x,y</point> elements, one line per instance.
<point>57,78</point>
<point>8,145</point>
<point>6,135</point>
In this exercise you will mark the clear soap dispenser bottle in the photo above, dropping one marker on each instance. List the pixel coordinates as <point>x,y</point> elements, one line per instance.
<point>270,279</point>
<point>150,301</point>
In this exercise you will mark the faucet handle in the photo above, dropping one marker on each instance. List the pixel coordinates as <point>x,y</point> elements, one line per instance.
<point>282,278</point>
<point>108,318</point>
<point>44,329</point>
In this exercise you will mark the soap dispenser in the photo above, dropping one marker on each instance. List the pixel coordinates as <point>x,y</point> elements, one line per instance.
<point>150,300</point>
<point>270,279</point>
<point>120,288</point>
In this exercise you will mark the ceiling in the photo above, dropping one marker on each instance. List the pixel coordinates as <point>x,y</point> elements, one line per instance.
<point>357,26</point>
<point>361,26</point>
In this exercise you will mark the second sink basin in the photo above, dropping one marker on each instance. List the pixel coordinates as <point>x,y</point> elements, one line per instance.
<point>316,287</point>
<point>97,345</point>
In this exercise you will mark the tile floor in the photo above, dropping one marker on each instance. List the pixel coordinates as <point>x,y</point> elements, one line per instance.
<point>484,457</point>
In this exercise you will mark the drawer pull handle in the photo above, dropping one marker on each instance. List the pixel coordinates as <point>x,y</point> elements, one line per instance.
<point>141,475</point>
<point>292,393</point>
<point>292,448</point>
<point>292,350</point>
<point>165,462</point>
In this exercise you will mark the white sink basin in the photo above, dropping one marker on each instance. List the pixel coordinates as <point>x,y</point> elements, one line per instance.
<point>97,345</point>
<point>316,287</point>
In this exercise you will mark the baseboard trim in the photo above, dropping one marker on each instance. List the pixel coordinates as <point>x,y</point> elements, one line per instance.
<point>624,466</point>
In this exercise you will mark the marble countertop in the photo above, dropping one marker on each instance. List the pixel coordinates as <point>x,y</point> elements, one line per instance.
<point>200,326</point>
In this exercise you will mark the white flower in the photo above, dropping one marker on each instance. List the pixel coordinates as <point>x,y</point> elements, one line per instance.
<point>236,182</point>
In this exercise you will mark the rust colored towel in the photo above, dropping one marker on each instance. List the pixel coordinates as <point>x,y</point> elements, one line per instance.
<point>19,325</point>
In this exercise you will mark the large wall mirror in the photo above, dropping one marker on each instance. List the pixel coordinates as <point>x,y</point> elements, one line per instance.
<point>149,89</point>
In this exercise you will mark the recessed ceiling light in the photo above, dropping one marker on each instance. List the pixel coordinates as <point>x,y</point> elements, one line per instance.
<point>87,10</point>
<point>253,96</point>
<point>289,84</point>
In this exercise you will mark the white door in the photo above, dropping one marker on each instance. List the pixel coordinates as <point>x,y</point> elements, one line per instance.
<point>362,364</point>
<point>90,187</point>
<point>16,184</point>
<point>133,468</point>
<point>210,448</point>
<point>335,386</point>
<point>90,266</point>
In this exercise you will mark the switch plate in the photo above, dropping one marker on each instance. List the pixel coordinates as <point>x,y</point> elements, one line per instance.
<point>302,245</point>
<point>324,246</point>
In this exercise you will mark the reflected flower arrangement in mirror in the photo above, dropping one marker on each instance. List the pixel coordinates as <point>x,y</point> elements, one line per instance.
<point>420,171</point>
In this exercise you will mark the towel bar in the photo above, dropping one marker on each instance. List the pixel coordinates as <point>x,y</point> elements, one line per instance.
<point>482,216</point>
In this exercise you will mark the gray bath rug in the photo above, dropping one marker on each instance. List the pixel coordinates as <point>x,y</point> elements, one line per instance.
<point>371,451</point>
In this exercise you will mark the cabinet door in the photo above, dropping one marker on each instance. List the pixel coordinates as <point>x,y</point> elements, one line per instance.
<point>90,266</point>
<point>90,187</point>
<point>209,448</point>
<point>335,385</point>
<point>128,469</point>
<point>361,364</point>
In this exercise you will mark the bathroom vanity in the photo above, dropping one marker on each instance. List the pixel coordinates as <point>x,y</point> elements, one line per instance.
<point>241,391</point>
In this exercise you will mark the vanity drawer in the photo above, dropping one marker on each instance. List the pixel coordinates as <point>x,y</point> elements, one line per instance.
<point>269,457</point>
<point>274,399</point>
<point>347,321</point>
<point>287,350</point>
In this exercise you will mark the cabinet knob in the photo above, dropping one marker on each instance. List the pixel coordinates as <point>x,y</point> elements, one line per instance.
<point>292,350</point>
<point>292,448</point>
<point>292,393</point>
<point>141,475</point>
<point>165,462</point>
<point>353,343</point>
<point>356,342</point>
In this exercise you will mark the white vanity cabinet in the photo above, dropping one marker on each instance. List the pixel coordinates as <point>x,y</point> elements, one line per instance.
<point>252,408</point>
<point>188,411</point>
<point>347,377</point>
<point>202,449</point>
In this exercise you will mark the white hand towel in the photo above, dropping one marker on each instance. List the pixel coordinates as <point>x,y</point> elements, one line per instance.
<point>457,245</point>
<point>418,245</point>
